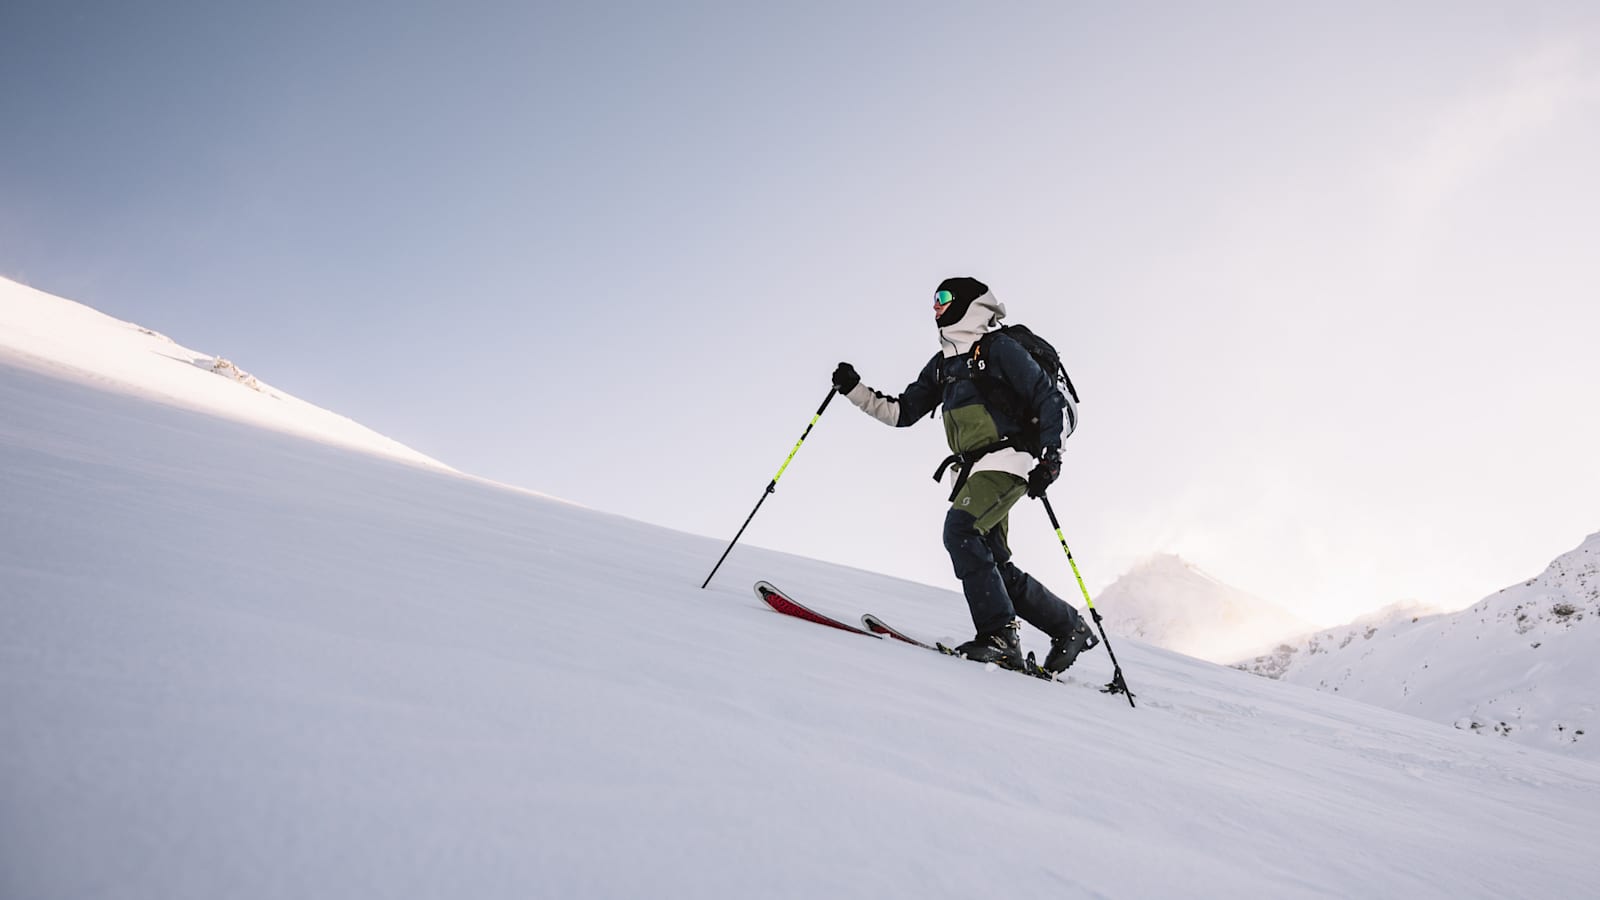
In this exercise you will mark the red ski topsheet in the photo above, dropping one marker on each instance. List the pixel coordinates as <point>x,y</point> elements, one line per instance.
<point>781,602</point>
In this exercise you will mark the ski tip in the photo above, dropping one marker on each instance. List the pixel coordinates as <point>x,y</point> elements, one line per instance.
<point>878,627</point>
<point>763,588</point>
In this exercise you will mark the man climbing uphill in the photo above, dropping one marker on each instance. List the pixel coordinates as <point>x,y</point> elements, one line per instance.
<point>1004,419</point>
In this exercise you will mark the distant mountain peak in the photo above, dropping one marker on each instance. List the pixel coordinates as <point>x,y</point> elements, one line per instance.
<point>1172,603</point>
<point>1167,563</point>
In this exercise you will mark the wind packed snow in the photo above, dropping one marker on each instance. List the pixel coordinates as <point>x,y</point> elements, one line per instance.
<point>260,654</point>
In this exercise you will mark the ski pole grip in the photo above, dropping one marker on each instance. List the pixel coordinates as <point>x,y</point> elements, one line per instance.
<point>1050,511</point>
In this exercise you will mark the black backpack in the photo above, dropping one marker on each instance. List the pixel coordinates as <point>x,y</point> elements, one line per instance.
<point>999,395</point>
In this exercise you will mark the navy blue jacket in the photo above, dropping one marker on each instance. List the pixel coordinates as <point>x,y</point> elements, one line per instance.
<point>970,422</point>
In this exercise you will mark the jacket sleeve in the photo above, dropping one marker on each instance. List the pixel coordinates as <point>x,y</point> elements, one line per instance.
<point>919,398</point>
<point>1034,385</point>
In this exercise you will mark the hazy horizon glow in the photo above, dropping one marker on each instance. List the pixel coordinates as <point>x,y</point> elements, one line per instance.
<point>1324,277</point>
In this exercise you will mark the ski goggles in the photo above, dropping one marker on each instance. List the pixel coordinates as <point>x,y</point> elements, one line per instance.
<point>943,298</point>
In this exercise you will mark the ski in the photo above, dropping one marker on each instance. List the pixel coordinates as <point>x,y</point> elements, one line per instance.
<point>877,626</point>
<point>874,627</point>
<point>1030,666</point>
<point>783,603</point>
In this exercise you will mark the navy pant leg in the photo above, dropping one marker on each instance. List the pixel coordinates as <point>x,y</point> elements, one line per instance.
<point>973,559</point>
<point>1032,601</point>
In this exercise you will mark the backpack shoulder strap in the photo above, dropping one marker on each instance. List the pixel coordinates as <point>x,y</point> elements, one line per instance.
<point>980,347</point>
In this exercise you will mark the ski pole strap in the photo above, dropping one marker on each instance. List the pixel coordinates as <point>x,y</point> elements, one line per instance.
<point>966,461</point>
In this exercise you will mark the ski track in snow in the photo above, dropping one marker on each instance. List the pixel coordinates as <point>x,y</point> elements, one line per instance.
<point>237,662</point>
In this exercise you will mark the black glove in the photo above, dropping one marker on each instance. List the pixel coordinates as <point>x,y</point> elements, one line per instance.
<point>1045,473</point>
<point>845,378</point>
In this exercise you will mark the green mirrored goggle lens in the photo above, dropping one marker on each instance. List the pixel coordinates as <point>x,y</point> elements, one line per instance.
<point>943,298</point>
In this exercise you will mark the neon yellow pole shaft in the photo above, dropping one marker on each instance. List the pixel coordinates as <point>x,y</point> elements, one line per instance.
<point>783,468</point>
<point>1075,573</point>
<point>772,485</point>
<point>1118,684</point>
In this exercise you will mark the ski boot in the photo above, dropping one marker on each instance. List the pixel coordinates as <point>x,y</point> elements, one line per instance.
<point>1064,650</point>
<point>1002,646</point>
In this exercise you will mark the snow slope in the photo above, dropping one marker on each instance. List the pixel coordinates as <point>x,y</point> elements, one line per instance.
<point>1171,603</point>
<point>236,662</point>
<point>70,340</point>
<point>1520,664</point>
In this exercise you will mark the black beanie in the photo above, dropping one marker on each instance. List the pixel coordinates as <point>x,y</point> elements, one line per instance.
<point>965,290</point>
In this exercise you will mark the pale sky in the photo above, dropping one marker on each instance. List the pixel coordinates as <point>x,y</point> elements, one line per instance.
<point>1325,278</point>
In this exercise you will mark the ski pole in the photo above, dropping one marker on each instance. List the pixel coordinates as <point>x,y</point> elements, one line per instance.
<point>771,486</point>
<point>1118,685</point>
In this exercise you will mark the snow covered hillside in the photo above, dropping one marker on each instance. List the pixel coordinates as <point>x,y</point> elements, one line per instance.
<point>239,661</point>
<point>1287,655</point>
<point>1171,603</point>
<point>70,340</point>
<point>1520,664</point>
